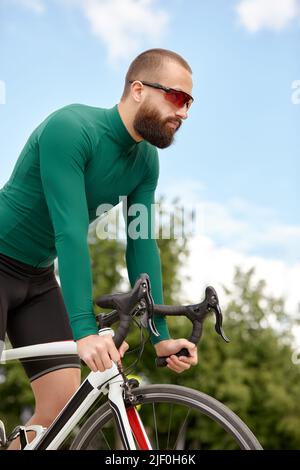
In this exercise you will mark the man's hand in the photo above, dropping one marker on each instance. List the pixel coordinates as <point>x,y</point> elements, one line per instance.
<point>98,352</point>
<point>169,347</point>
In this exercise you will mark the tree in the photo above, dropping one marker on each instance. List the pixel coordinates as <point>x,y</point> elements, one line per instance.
<point>173,249</point>
<point>253,374</point>
<point>107,259</point>
<point>109,275</point>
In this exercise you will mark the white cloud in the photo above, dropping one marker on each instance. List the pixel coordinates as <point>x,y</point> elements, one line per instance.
<point>212,265</point>
<point>252,229</point>
<point>275,15</point>
<point>124,26</point>
<point>239,225</point>
<point>238,233</point>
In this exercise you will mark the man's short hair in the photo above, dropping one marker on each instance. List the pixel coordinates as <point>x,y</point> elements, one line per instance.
<point>148,64</point>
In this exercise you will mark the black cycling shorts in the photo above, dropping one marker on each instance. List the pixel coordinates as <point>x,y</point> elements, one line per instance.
<point>32,311</point>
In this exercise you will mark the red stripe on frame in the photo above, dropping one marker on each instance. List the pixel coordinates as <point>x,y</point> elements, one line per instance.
<point>136,428</point>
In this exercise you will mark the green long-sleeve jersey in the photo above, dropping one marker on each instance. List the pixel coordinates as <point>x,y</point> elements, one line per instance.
<point>78,158</point>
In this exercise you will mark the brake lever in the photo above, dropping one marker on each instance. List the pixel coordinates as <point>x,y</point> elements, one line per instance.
<point>219,321</point>
<point>149,304</point>
<point>213,304</point>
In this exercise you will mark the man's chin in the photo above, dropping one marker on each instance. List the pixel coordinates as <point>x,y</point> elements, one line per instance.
<point>161,141</point>
<point>164,145</point>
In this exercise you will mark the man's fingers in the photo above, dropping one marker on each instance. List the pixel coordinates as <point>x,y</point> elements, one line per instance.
<point>184,343</point>
<point>99,363</point>
<point>90,361</point>
<point>113,352</point>
<point>98,352</point>
<point>185,359</point>
<point>192,349</point>
<point>171,365</point>
<point>92,365</point>
<point>176,364</point>
<point>180,364</point>
<point>174,369</point>
<point>106,361</point>
<point>192,359</point>
<point>123,348</point>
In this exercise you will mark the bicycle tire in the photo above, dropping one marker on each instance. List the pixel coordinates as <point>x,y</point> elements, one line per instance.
<point>172,395</point>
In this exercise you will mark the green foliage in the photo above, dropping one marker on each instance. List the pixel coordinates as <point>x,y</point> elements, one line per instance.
<point>107,258</point>
<point>253,374</point>
<point>15,394</point>
<point>108,265</point>
<point>173,251</point>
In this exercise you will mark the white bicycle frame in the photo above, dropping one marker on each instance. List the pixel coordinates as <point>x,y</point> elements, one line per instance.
<point>108,382</point>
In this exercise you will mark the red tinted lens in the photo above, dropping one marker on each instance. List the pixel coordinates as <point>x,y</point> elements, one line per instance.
<point>179,98</point>
<point>176,97</point>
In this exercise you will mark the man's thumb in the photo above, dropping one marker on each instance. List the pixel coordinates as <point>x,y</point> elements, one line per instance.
<point>188,345</point>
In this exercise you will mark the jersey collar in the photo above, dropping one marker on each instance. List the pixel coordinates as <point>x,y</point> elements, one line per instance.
<point>118,128</point>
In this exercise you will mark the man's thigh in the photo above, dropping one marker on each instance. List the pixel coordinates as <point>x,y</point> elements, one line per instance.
<point>42,318</point>
<point>53,390</point>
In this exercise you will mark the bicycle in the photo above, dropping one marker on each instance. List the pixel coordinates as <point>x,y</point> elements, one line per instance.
<point>149,417</point>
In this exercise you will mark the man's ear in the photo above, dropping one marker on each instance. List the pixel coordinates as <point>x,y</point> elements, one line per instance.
<point>137,91</point>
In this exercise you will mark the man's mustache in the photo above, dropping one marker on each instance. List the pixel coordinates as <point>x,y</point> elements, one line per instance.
<point>178,122</point>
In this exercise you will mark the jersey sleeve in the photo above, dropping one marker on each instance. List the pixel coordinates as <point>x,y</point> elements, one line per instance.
<point>64,151</point>
<point>142,254</point>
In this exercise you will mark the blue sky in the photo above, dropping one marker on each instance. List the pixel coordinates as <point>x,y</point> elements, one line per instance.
<point>238,153</point>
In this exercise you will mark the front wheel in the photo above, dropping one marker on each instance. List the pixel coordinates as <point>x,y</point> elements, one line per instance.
<point>175,418</point>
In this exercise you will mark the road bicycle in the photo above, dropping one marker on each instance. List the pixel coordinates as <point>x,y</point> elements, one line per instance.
<point>150,417</point>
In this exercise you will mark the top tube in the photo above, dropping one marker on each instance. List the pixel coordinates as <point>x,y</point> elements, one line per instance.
<point>45,349</point>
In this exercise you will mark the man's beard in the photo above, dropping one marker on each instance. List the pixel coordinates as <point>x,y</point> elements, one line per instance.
<point>149,125</point>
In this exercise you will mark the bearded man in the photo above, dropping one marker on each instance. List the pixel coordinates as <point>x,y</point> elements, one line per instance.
<point>78,158</point>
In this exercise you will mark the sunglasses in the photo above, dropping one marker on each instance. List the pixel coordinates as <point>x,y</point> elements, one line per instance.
<point>177,97</point>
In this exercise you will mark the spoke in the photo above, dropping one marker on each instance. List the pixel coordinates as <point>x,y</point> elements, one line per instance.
<point>170,421</point>
<point>187,410</point>
<point>155,424</point>
<point>182,428</point>
<point>102,432</point>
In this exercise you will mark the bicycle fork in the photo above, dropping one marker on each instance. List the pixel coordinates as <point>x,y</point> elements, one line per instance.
<point>112,382</point>
<point>126,416</point>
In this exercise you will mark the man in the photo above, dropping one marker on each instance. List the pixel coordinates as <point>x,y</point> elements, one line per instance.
<point>78,158</point>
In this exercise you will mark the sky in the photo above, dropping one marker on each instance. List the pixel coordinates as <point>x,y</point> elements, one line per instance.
<point>235,159</point>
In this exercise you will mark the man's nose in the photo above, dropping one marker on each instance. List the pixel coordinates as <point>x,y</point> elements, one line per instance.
<point>182,112</point>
